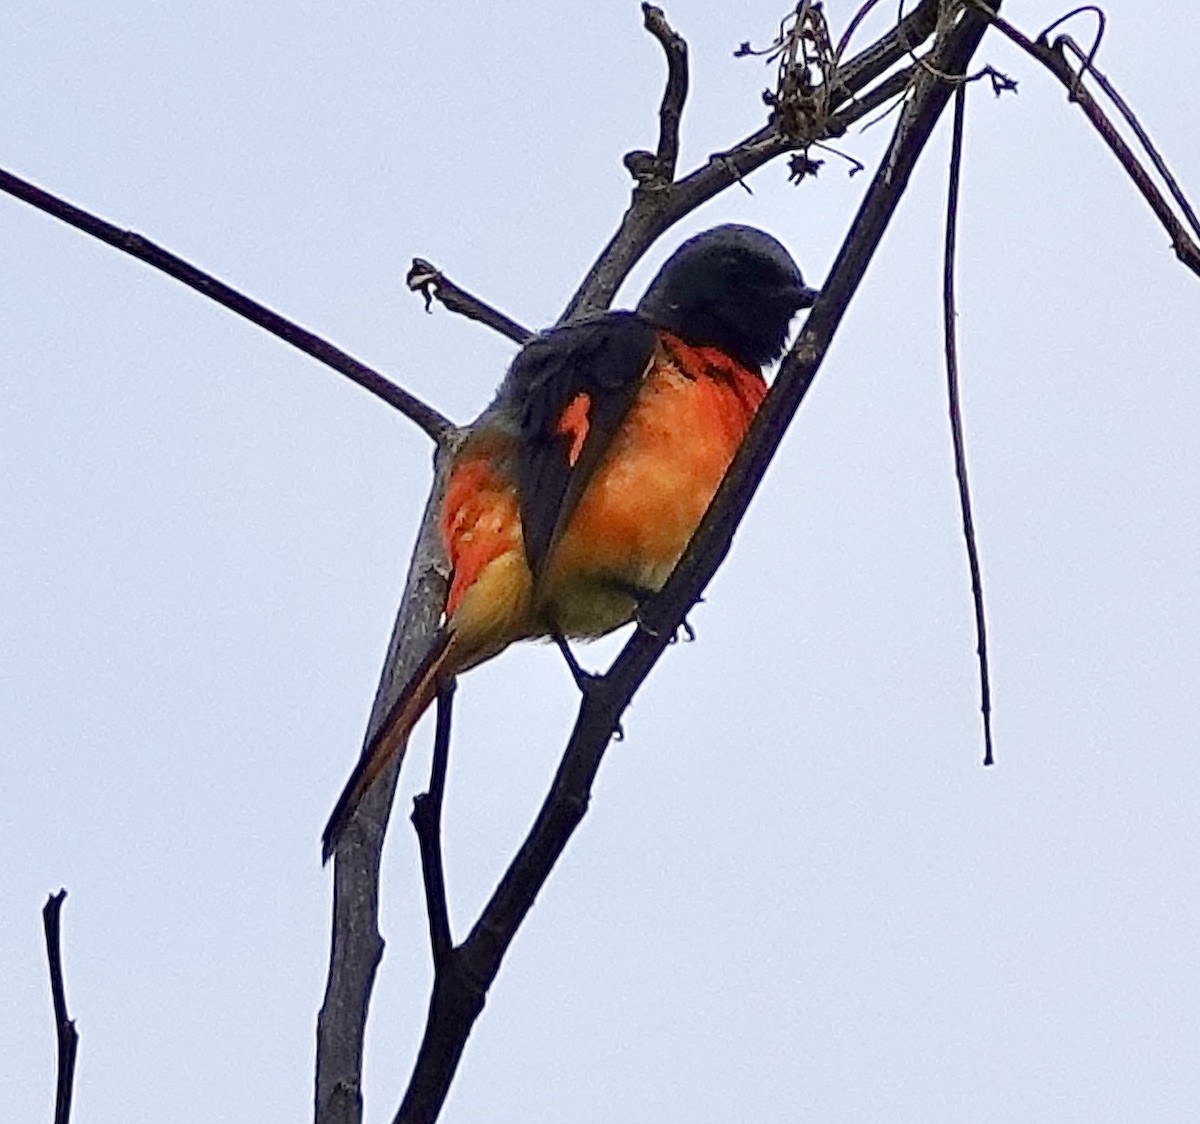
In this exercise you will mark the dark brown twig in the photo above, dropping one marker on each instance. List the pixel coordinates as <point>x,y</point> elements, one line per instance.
<point>459,996</point>
<point>675,95</point>
<point>1101,27</point>
<point>437,426</point>
<point>855,20</point>
<point>64,1025</point>
<point>950,317</point>
<point>1054,60</point>
<point>1160,165</point>
<point>433,284</point>
<point>427,819</point>
<point>655,171</point>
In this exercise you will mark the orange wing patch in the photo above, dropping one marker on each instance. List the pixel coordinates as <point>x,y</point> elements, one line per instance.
<point>479,523</point>
<point>574,424</point>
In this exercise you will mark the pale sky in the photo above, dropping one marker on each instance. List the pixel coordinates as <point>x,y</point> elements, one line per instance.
<point>798,895</point>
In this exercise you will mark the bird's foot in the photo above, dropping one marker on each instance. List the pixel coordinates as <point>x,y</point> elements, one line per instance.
<point>585,680</point>
<point>685,626</point>
<point>689,633</point>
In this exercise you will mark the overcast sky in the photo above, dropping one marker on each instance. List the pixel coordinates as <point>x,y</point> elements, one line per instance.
<point>798,895</point>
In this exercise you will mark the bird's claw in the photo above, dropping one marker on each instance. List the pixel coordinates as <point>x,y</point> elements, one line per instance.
<point>584,680</point>
<point>642,626</point>
<point>689,633</point>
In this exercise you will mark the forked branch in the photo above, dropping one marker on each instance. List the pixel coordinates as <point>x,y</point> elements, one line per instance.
<point>427,819</point>
<point>458,994</point>
<point>656,206</point>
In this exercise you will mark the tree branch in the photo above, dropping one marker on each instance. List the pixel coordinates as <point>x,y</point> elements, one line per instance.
<point>1053,58</point>
<point>427,819</point>
<point>356,946</point>
<point>433,284</point>
<point>675,95</point>
<point>657,205</point>
<point>64,1025</point>
<point>655,171</point>
<point>437,426</point>
<point>459,998</point>
<point>949,319</point>
<point>1143,137</point>
<point>659,201</point>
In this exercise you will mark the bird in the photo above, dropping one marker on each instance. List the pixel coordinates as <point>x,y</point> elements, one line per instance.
<point>573,495</point>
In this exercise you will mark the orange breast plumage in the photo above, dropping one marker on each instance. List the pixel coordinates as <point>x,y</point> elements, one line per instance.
<point>650,491</point>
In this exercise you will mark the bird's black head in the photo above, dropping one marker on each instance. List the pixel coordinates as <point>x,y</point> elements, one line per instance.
<point>732,287</point>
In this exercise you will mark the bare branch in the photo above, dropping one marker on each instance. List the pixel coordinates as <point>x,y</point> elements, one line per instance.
<point>64,1025</point>
<point>1101,27</point>
<point>438,427</point>
<point>949,317</point>
<point>1143,137</point>
<point>459,996</point>
<point>671,110</point>
<point>1054,60</point>
<point>855,21</point>
<point>356,946</point>
<point>427,819</point>
<point>656,206</point>
<point>433,284</point>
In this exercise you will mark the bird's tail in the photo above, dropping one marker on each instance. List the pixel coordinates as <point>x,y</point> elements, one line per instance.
<point>391,738</point>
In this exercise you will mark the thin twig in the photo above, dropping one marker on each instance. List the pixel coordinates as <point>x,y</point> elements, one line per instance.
<point>851,28</point>
<point>1101,27</point>
<point>652,212</point>
<point>671,110</point>
<point>64,1025</point>
<point>893,86</point>
<point>459,997</point>
<point>427,819</point>
<point>426,279</point>
<point>437,426</point>
<point>1143,137</point>
<point>1053,59</point>
<point>950,316</point>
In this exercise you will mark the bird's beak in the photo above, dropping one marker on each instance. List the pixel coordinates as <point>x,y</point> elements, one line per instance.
<point>805,297</point>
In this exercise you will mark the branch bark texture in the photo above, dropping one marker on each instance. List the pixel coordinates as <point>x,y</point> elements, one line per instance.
<point>356,946</point>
